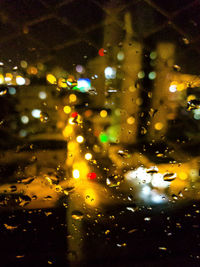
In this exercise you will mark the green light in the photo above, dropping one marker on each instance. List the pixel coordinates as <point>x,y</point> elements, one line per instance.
<point>141,74</point>
<point>103,137</point>
<point>153,55</point>
<point>152,75</point>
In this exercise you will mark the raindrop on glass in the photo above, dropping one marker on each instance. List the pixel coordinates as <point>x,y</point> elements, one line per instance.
<point>77,215</point>
<point>169,176</point>
<point>44,117</point>
<point>3,91</point>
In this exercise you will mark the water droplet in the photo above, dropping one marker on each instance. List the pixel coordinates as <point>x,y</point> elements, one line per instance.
<point>169,176</point>
<point>10,227</point>
<point>24,200</point>
<point>131,209</point>
<point>152,170</point>
<point>3,91</point>
<point>193,104</point>
<point>162,248</point>
<point>107,232</point>
<point>27,180</point>
<point>176,67</point>
<point>13,188</point>
<point>69,189</point>
<point>48,213</point>
<point>121,245</point>
<point>77,215</point>
<point>92,91</point>
<point>174,197</point>
<point>71,83</point>
<point>33,159</point>
<point>112,181</point>
<point>143,130</point>
<point>186,41</point>
<point>19,256</point>
<point>44,117</point>
<point>132,231</point>
<point>123,153</point>
<point>130,197</point>
<point>48,198</point>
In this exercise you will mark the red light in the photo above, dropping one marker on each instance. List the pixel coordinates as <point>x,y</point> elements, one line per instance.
<point>74,114</point>
<point>92,175</point>
<point>101,52</point>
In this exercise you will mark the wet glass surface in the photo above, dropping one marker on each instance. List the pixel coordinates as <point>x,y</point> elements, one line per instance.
<point>99,133</point>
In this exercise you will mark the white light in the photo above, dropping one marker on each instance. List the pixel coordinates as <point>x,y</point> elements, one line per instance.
<point>110,73</point>
<point>88,156</point>
<point>24,119</point>
<point>79,139</point>
<point>172,88</point>
<point>157,181</point>
<point>20,80</point>
<point>42,95</point>
<point>7,79</point>
<point>157,198</point>
<point>36,113</point>
<point>146,190</point>
<point>79,69</point>
<point>84,84</point>
<point>197,114</point>
<point>76,174</point>
<point>140,174</point>
<point>120,55</point>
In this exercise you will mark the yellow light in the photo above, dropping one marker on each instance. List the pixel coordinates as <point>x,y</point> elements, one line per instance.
<point>67,131</point>
<point>88,156</point>
<point>72,98</point>
<point>130,120</point>
<point>72,146</point>
<point>51,79</point>
<point>9,75</point>
<point>191,97</point>
<point>183,175</point>
<point>62,83</point>
<point>139,101</point>
<point>181,87</point>
<point>76,174</point>
<point>103,113</point>
<point>67,109</point>
<point>1,79</point>
<point>158,126</point>
<point>90,197</point>
<point>131,89</point>
<point>79,139</point>
<point>23,64</point>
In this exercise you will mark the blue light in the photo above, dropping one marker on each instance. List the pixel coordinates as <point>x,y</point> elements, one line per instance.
<point>84,84</point>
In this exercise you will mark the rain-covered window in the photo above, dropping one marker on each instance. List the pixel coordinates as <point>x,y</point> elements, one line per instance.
<point>100,133</point>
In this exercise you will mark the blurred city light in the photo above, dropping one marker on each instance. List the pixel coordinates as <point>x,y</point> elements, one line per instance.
<point>24,119</point>
<point>20,80</point>
<point>42,95</point>
<point>36,113</point>
<point>110,73</point>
